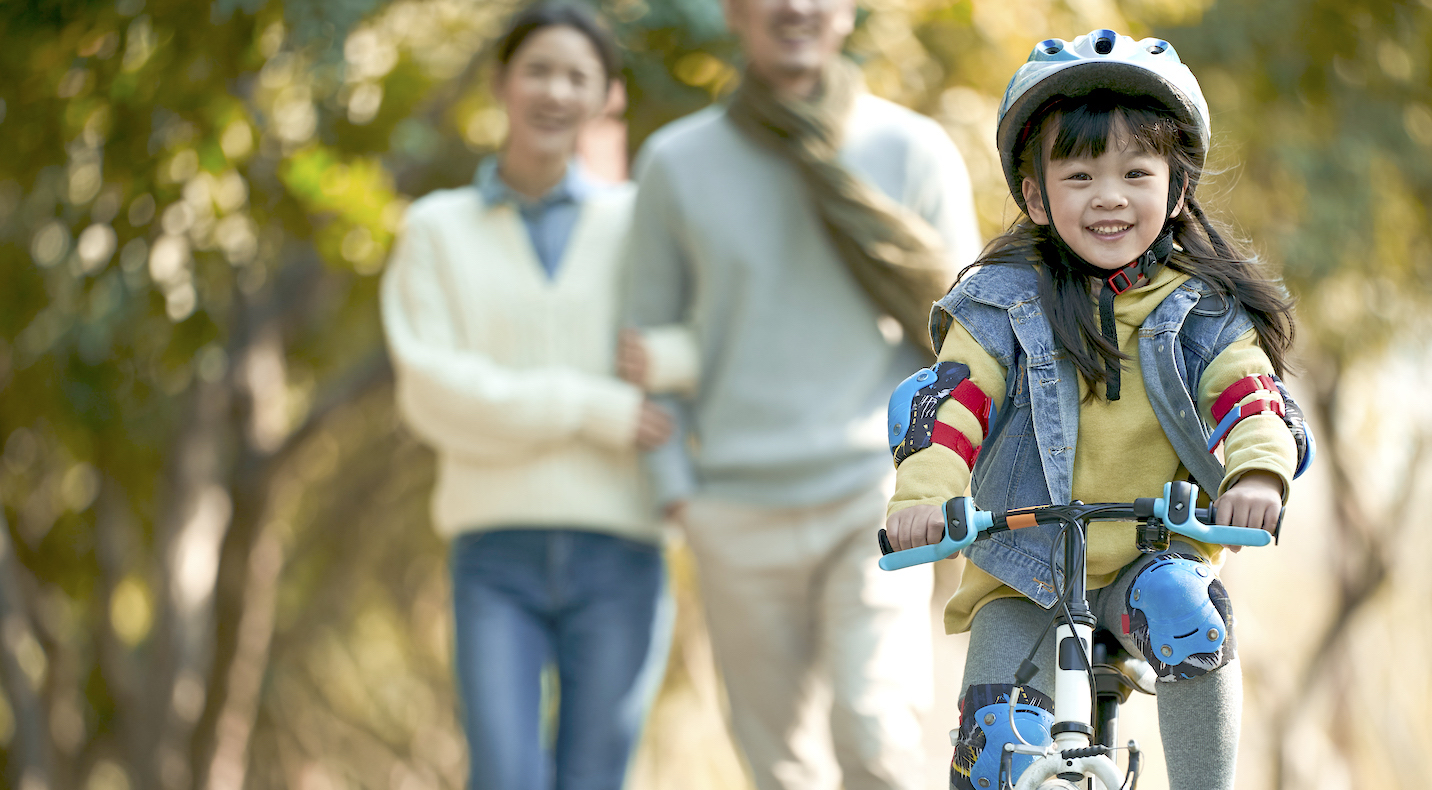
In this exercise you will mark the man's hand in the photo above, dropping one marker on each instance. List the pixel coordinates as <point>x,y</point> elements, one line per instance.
<point>919,525</point>
<point>653,426</point>
<point>1255,501</point>
<point>632,359</point>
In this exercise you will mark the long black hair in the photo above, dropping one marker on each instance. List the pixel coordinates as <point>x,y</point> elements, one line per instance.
<point>1084,127</point>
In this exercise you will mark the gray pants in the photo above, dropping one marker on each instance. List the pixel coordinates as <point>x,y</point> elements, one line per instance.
<point>826,658</point>
<point>1199,718</point>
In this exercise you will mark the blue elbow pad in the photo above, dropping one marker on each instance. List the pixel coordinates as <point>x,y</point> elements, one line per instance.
<point>911,414</point>
<point>1298,426</point>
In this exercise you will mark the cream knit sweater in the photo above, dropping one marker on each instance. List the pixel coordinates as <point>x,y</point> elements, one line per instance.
<point>508,375</point>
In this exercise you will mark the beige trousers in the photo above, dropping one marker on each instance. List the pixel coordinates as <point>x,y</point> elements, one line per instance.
<point>826,658</point>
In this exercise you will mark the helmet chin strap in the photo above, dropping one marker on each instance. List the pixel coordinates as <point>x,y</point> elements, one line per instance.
<point>1121,280</point>
<point>1117,281</point>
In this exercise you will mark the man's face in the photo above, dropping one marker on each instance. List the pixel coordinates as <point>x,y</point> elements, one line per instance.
<point>788,41</point>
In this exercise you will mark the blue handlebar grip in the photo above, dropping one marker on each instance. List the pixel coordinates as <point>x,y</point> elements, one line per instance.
<point>961,518</point>
<point>1176,512</point>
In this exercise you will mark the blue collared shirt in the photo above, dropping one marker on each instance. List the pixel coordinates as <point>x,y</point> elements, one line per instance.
<point>550,218</point>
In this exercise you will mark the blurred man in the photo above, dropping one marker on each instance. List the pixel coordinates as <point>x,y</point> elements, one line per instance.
<point>785,252</point>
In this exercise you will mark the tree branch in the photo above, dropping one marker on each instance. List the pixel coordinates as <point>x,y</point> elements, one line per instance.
<point>29,754</point>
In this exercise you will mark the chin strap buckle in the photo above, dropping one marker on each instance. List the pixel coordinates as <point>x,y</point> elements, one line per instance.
<point>1129,276</point>
<point>1120,281</point>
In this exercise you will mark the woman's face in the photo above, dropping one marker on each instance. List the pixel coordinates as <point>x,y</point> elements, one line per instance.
<point>553,84</point>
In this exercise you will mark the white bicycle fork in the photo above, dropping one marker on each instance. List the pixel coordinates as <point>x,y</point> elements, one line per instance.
<point>1072,704</point>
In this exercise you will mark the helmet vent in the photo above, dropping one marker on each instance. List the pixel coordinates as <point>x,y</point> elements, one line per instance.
<point>1104,46</point>
<point>1051,46</point>
<point>1158,48</point>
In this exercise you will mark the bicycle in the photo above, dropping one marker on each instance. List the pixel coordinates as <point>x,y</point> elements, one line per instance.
<point>1082,742</point>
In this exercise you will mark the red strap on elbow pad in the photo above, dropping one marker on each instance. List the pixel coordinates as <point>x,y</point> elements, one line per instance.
<point>1239,390</point>
<point>949,436</point>
<point>1258,407</point>
<point>1244,412</point>
<point>969,395</point>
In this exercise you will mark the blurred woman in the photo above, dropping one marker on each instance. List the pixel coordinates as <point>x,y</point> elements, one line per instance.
<point>499,307</point>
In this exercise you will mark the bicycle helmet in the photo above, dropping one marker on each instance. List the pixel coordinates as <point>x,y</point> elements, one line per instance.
<point>1101,59</point>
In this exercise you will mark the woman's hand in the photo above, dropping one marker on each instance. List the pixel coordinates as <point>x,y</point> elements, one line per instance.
<point>653,426</point>
<point>918,525</point>
<point>632,360</point>
<point>1256,501</point>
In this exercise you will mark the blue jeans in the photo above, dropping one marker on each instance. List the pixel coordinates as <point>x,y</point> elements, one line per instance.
<point>587,602</point>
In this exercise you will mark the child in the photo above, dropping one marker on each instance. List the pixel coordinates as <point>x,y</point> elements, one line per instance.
<point>1080,360</point>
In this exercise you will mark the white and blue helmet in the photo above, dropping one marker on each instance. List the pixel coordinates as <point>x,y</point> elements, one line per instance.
<point>1102,59</point>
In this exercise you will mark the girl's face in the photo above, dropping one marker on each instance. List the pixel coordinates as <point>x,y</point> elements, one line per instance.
<point>1108,208</point>
<point>553,84</point>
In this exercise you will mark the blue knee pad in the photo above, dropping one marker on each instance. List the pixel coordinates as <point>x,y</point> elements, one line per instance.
<point>1180,617</point>
<point>985,728</point>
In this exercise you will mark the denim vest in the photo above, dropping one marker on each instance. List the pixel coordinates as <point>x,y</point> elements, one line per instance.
<point>1028,457</point>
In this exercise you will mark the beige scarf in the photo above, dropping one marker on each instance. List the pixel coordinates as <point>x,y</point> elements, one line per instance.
<point>896,256</point>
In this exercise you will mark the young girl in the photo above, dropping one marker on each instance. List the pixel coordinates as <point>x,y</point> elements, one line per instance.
<point>1081,359</point>
<point>500,309</point>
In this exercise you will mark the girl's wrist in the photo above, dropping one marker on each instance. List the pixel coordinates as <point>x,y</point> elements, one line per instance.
<point>1260,478</point>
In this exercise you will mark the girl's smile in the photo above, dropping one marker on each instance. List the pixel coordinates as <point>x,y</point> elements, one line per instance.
<point>1109,209</point>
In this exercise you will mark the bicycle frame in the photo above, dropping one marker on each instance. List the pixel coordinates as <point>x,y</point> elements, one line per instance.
<point>1073,750</point>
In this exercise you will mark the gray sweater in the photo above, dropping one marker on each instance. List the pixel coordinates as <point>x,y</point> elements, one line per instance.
<point>795,364</point>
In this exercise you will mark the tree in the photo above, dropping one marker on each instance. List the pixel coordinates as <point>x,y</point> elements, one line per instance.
<point>194,211</point>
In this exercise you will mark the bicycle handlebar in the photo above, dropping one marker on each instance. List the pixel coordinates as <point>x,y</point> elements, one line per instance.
<point>964,523</point>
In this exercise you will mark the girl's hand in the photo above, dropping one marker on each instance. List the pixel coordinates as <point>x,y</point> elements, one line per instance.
<point>1254,501</point>
<point>919,525</point>
<point>632,359</point>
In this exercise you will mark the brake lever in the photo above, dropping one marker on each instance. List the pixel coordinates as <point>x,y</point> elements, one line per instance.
<point>1176,511</point>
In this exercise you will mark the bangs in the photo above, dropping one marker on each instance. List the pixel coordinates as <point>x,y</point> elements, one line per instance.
<point>1086,125</point>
